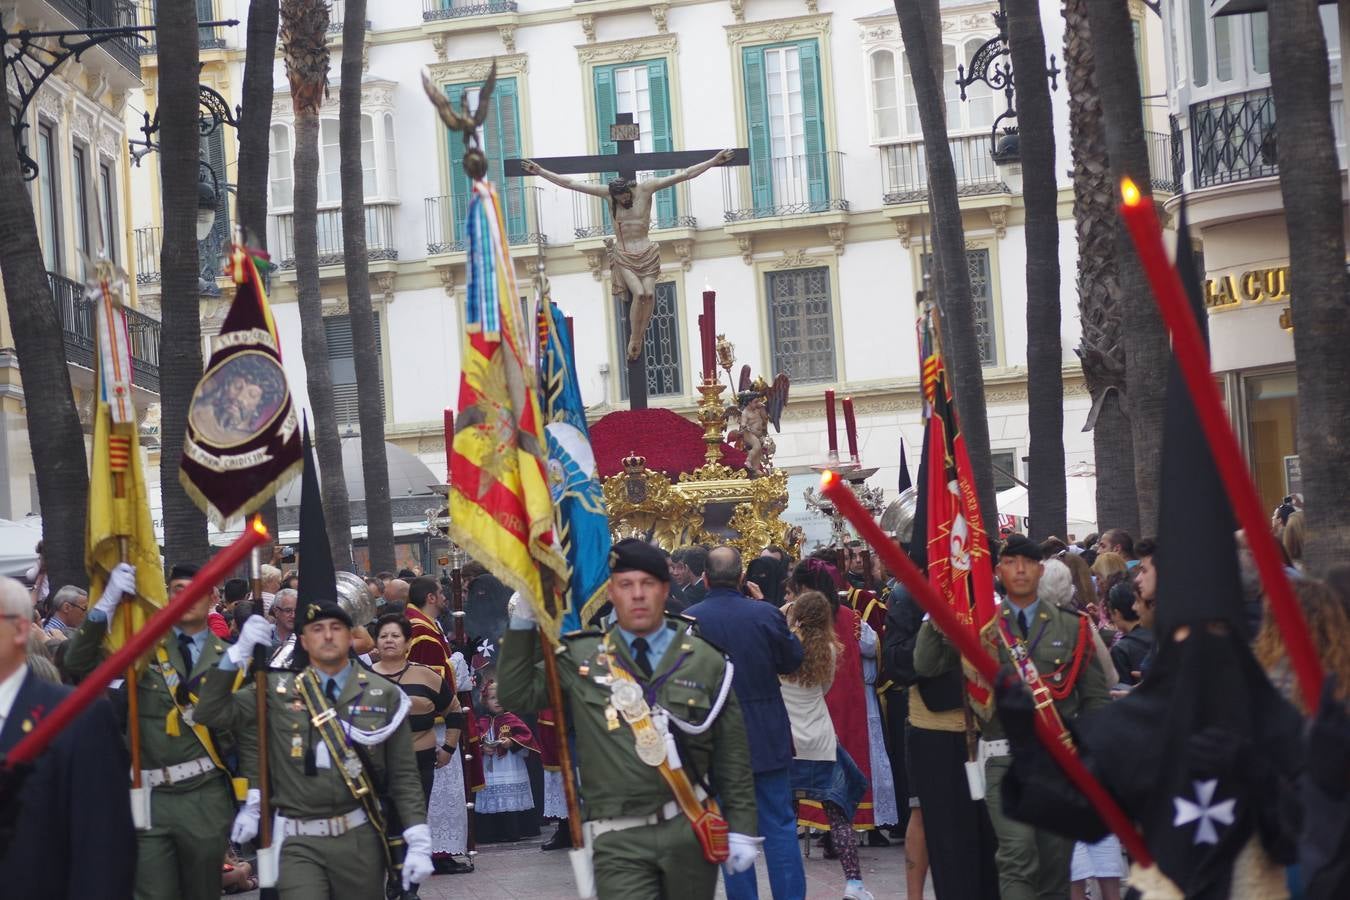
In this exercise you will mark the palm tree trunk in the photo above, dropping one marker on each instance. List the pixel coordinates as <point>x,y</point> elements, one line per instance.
<point>54,434</point>
<point>1099,293</point>
<point>1143,337</point>
<point>1310,183</point>
<point>305,35</point>
<point>255,123</point>
<point>180,350</point>
<point>920,29</point>
<point>1048,501</point>
<point>370,405</point>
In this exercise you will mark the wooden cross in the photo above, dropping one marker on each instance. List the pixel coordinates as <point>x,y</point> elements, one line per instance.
<point>627,161</point>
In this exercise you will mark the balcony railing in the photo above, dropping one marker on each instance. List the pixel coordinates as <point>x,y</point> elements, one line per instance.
<point>380,243</point>
<point>904,169</point>
<point>106,14</point>
<point>1233,138</point>
<point>77,326</point>
<point>670,209</point>
<point>438,10</point>
<point>520,209</point>
<point>337,13</point>
<point>209,38</point>
<point>149,241</point>
<point>786,186</point>
<point>1162,162</point>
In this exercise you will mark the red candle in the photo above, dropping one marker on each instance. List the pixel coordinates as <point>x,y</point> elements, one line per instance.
<point>214,572</point>
<point>449,438</point>
<point>851,429</point>
<point>830,431</point>
<point>710,312</point>
<point>702,346</point>
<point>571,334</point>
<point>834,488</point>
<point>1188,348</point>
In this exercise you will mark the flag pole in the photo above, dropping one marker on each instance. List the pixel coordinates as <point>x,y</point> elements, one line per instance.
<point>261,657</point>
<point>555,700</point>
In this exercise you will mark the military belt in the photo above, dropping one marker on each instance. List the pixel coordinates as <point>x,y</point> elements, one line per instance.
<point>174,774</point>
<point>332,827</point>
<point>670,810</point>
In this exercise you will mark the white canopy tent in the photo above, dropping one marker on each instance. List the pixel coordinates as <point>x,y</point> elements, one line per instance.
<point>18,545</point>
<point>1081,481</point>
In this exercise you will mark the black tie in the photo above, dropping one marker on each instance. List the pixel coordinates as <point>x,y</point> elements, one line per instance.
<point>185,646</point>
<point>640,656</point>
<point>1022,621</point>
<point>330,690</point>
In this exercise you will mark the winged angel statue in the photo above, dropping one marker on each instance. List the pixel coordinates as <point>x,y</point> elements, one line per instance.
<point>758,404</point>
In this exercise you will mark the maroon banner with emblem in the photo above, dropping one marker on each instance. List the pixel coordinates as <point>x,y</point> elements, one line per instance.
<point>243,436</point>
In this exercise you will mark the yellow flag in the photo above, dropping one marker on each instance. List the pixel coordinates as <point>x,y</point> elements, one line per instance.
<point>118,527</point>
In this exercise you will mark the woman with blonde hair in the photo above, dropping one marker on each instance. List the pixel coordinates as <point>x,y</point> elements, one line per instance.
<point>1328,615</point>
<point>821,769</point>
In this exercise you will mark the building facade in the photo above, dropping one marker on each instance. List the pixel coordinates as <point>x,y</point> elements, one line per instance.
<point>1219,94</point>
<point>815,250</point>
<point>75,134</point>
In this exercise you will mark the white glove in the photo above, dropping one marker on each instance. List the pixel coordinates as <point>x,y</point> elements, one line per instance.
<point>245,826</point>
<point>744,849</point>
<point>121,581</point>
<point>417,866</point>
<point>522,611</point>
<point>256,630</point>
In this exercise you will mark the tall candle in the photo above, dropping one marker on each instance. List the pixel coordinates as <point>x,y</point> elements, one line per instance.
<point>1188,348</point>
<point>851,429</point>
<point>944,617</point>
<point>710,311</point>
<point>449,438</point>
<point>91,688</point>
<point>830,430</point>
<point>703,362</point>
<point>571,334</point>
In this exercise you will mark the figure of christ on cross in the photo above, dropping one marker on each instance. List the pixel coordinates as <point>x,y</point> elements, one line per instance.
<point>634,260</point>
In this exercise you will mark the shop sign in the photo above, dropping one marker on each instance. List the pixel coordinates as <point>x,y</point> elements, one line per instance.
<point>1252,287</point>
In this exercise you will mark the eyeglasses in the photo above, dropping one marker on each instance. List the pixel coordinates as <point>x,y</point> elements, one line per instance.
<point>84,608</point>
<point>284,610</point>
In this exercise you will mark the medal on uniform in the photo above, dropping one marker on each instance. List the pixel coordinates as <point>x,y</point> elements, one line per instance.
<point>611,718</point>
<point>297,747</point>
<point>351,765</point>
<point>651,748</point>
<point>627,697</point>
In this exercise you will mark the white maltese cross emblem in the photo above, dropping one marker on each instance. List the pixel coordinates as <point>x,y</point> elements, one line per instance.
<point>1205,811</point>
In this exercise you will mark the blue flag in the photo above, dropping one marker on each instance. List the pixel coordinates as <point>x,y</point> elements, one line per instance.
<point>580,521</point>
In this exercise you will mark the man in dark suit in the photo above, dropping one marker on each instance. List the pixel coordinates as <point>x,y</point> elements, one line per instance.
<point>65,828</point>
<point>756,637</point>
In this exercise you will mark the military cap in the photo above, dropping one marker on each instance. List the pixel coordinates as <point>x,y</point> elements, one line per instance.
<point>326,609</point>
<point>633,555</point>
<point>1021,545</point>
<point>184,571</point>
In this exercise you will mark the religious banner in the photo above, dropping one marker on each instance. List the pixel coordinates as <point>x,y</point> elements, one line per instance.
<point>118,526</point>
<point>501,510</point>
<point>959,565</point>
<point>243,437</point>
<point>579,503</point>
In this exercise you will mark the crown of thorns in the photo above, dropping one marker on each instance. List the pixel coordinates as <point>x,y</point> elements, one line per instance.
<point>620,185</point>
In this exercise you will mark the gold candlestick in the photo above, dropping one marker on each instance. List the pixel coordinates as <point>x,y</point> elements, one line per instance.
<point>712,413</point>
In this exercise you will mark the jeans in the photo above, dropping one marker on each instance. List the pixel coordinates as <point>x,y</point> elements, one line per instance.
<point>778,826</point>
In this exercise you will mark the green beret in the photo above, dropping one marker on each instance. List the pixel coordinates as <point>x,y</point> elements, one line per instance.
<point>633,555</point>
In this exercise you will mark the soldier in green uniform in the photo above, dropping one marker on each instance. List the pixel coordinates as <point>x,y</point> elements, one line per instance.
<point>338,739</point>
<point>1033,864</point>
<point>650,700</point>
<point>192,797</point>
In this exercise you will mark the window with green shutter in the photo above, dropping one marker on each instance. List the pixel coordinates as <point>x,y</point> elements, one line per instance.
<point>342,360</point>
<point>785,120</point>
<point>500,140</point>
<point>643,89</point>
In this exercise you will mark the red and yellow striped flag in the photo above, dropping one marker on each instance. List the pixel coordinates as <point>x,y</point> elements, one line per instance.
<point>501,510</point>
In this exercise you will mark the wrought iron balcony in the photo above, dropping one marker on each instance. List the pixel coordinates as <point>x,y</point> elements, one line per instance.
<point>670,208</point>
<point>785,186</point>
<point>439,10</point>
<point>904,169</point>
<point>1233,138</point>
<point>520,209</point>
<point>208,38</point>
<point>337,13</point>
<point>77,326</point>
<point>1162,170</point>
<point>380,240</point>
<point>149,241</point>
<point>105,14</point>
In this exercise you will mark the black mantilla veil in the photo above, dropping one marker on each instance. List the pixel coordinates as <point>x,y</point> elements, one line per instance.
<point>1204,753</point>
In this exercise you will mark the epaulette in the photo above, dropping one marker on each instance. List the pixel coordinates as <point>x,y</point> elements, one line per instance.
<point>582,633</point>
<point>698,633</point>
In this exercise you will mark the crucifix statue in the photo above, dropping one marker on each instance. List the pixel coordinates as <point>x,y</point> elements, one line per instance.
<point>634,260</point>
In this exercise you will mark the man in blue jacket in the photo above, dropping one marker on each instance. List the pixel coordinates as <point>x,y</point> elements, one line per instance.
<point>756,637</point>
